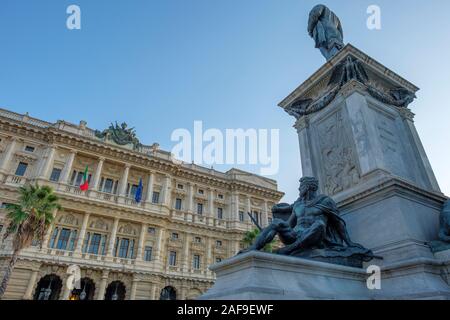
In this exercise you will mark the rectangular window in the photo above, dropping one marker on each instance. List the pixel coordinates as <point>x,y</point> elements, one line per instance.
<point>219,213</point>
<point>178,204</point>
<point>56,173</point>
<point>73,238</point>
<point>155,197</point>
<point>220,196</point>
<point>218,243</point>
<point>241,216</point>
<point>116,245</point>
<point>95,243</point>
<point>108,187</point>
<point>53,238</point>
<point>131,251</point>
<point>103,245</point>
<point>133,190</point>
<point>200,208</point>
<point>21,169</point>
<point>256,216</point>
<point>148,253</point>
<point>63,239</point>
<point>151,230</point>
<point>196,262</point>
<point>29,149</point>
<point>79,178</point>
<point>86,242</point>
<point>198,240</point>
<point>172,258</point>
<point>200,191</point>
<point>123,250</point>
<point>174,236</point>
<point>218,260</point>
<point>180,186</point>
<point>4,205</point>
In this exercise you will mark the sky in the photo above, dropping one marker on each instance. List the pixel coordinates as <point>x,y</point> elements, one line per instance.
<point>160,65</point>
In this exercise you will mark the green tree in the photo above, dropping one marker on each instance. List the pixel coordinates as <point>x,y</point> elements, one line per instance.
<point>29,219</point>
<point>250,237</point>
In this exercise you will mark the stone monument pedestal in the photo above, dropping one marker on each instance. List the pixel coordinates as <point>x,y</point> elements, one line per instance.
<point>263,276</point>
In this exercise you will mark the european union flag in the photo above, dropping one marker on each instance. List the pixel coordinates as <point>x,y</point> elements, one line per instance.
<point>138,196</point>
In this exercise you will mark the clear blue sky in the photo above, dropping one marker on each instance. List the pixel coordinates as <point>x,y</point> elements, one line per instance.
<point>160,65</point>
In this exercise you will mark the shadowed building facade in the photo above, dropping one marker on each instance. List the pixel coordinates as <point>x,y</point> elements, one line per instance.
<point>160,248</point>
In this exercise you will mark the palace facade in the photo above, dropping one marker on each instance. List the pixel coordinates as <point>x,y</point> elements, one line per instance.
<point>159,248</point>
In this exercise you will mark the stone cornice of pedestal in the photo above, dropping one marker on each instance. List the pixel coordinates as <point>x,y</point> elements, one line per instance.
<point>271,259</point>
<point>368,191</point>
<point>324,71</point>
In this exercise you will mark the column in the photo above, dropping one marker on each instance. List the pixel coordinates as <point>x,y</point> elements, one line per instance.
<point>265,217</point>
<point>134,284</point>
<point>151,178</point>
<point>153,291</point>
<point>183,293</point>
<point>141,242</point>
<point>124,181</point>
<point>112,239</point>
<point>211,203</point>
<point>98,174</point>
<point>190,198</point>
<point>235,206</point>
<point>65,175</point>
<point>186,253</point>
<point>159,244</point>
<point>82,234</point>
<point>208,253</point>
<point>249,207</point>
<point>166,191</point>
<point>102,287</point>
<point>47,162</point>
<point>29,292</point>
<point>7,155</point>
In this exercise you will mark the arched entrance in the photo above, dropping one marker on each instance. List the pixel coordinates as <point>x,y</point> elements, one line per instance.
<point>86,291</point>
<point>48,288</point>
<point>115,291</point>
<point>168,293</point>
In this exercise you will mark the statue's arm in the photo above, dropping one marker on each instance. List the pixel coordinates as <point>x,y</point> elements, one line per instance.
<point>282,208</point>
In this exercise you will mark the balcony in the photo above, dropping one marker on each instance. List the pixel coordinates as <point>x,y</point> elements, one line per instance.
<point>115,199</point>
<point>16,180</point>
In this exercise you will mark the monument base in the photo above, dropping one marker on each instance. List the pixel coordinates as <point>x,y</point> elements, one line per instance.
<point>262,276</point>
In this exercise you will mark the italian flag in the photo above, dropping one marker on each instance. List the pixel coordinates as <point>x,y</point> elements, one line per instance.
<point>85,183</point>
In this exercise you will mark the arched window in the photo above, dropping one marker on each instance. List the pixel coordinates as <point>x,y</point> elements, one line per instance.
<point>168,293</point>
<point>115,291</point>
<point>86,291</point>
<point>48,288</point>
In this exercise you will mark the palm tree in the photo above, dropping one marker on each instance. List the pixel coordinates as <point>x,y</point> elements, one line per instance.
<point>250,237</point>
<point>29,220</point>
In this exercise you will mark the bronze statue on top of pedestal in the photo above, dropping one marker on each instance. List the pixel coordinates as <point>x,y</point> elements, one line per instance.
<point>326,30</point>
<point>312,228</point>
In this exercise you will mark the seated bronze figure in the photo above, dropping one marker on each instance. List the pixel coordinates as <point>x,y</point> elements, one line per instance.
<point>312,228</point>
